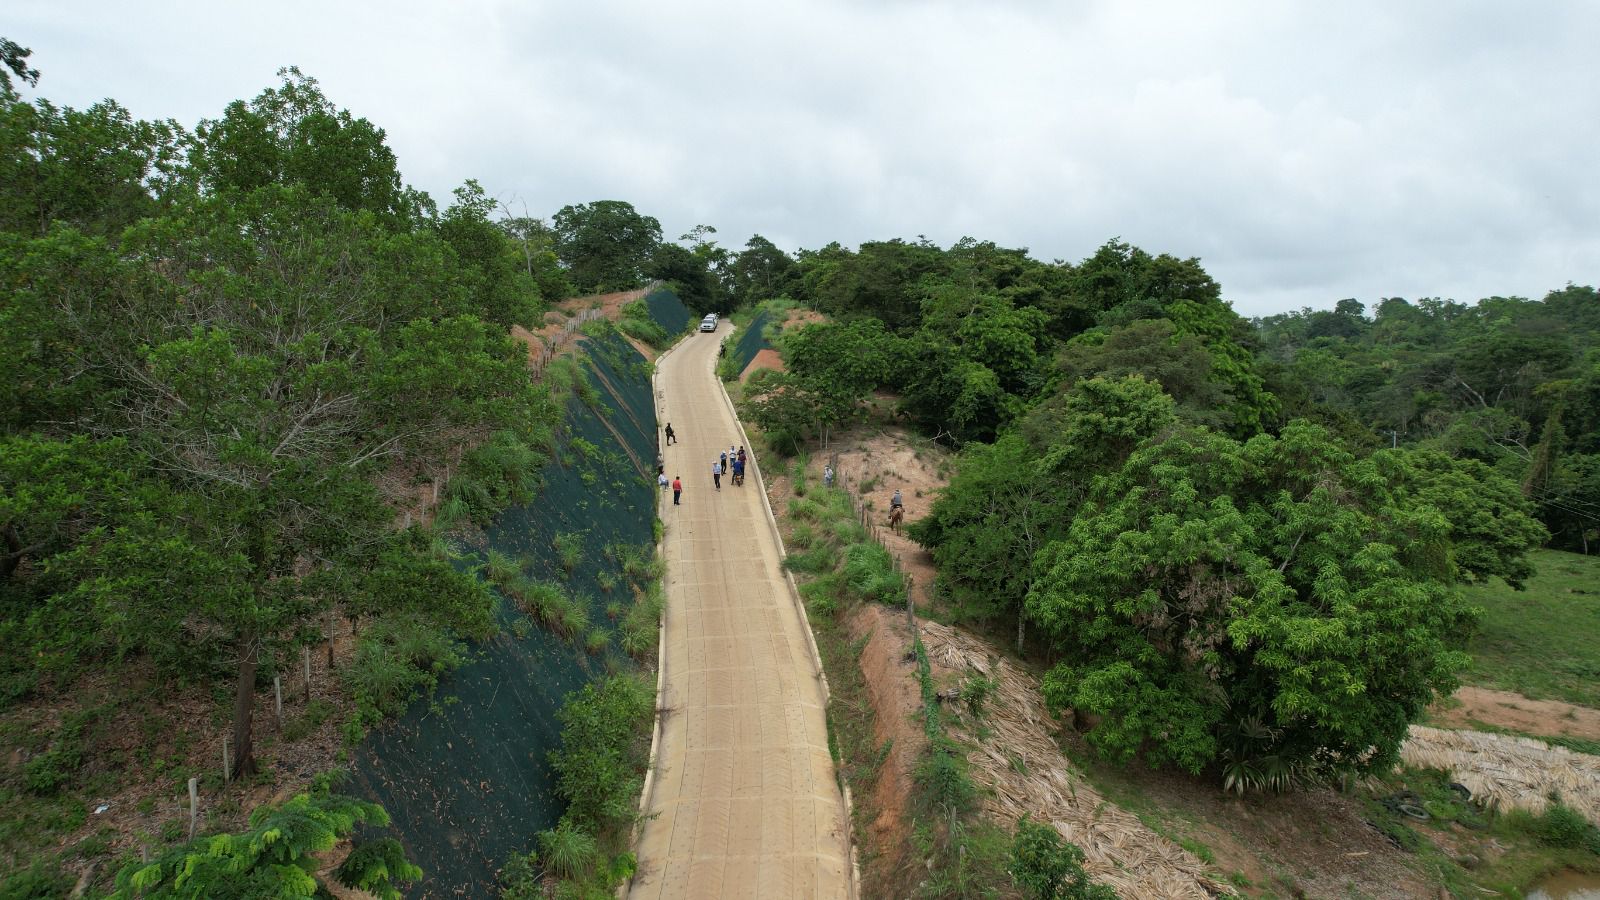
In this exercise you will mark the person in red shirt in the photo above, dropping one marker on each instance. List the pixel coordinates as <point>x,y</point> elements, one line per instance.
<point>677,489</point>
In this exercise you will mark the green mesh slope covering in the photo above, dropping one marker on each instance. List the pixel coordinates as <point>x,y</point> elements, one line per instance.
<point>750,341</point>
<point>668,311</point>
<point>465,775</point>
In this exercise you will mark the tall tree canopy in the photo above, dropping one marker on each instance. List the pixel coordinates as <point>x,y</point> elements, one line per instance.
<point>606,244</point>
<point>209,359</point>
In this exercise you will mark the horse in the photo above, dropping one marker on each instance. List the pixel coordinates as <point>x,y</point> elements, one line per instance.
<point>896,516</point>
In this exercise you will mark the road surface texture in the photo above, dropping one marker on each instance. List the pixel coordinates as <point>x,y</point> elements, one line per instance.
<point>742,801</point>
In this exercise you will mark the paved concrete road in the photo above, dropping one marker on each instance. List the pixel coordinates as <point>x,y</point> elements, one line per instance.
<point>743,797</point>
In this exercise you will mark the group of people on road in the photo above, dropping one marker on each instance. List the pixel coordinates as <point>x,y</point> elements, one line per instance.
<point>730,462</point>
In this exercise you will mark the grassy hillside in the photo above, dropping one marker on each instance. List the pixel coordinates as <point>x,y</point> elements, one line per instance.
<point>1543,642</point>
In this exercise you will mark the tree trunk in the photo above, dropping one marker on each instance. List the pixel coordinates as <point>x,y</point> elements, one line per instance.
<point>244,700</point>
<point>1019,632</point>
<point>14,551</point>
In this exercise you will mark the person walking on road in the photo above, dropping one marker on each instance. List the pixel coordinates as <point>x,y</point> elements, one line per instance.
<point>716,475</point>
<point>671,437</point>
<point>677,488</point>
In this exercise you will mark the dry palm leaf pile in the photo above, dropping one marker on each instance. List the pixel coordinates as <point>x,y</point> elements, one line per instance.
<point>1509,772</point>
<point>1025,774</point>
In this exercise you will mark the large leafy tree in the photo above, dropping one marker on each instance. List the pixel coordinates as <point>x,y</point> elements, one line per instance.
<point>606,245</point>
<point>1276,606</point>
<point>1151,348</point>
<point>496,272</point>
<point>689,274</point>
<point>761,271</point>
<point>293,135</point>
<point>986,526</point>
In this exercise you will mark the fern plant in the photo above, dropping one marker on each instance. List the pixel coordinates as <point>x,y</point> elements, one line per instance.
<point>274,856</point>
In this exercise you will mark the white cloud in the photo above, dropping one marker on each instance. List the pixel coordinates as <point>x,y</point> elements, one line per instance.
<point>1305,153</point>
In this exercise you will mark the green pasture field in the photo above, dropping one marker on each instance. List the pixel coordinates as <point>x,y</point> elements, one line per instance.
<point>1542,642</point>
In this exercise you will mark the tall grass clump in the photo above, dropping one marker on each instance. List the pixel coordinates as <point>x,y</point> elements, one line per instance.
<point>639,627</point>
<point>870,572</point>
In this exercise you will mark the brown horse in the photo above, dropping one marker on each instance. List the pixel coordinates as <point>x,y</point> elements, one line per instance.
<point>896,516</point>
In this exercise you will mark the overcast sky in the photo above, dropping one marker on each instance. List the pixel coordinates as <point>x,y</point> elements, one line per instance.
<point>1304,151</point>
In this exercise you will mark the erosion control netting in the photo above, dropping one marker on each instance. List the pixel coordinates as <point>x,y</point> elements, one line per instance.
<point>751,341</point>
<point>668,311</point>
<point>465,775</point>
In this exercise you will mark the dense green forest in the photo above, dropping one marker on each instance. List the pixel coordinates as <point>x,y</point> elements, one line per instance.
<point>1241,543</point>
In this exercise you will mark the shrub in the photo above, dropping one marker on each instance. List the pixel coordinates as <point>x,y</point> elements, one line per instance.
<point>574,618</point>
<point>40,880</point>
<point>600,765</point>
<point>1563,826</point>
<point>496,474</point>
<point>47,772</point>
<point>869,570</point>
<point>544,601</point>
<point>638,562</point>
<point>396,660</point>
<point>819,558</point>
<point>1046,867</point>
<point>975,692</point>
<point>942,775</point>
<point>821,595</point>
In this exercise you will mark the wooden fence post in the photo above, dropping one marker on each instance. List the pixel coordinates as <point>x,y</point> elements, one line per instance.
<point>306,658</point>
<point>194,804</point>
<point>227,762</point>
<point>277,696</point>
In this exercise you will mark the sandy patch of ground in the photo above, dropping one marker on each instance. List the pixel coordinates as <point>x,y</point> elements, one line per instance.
<point>871,463</point>
<point>770,358</point>
<point>799,316</point>
<point>1473,707</point>
<point>552,333</point>
<point>764,359</point>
